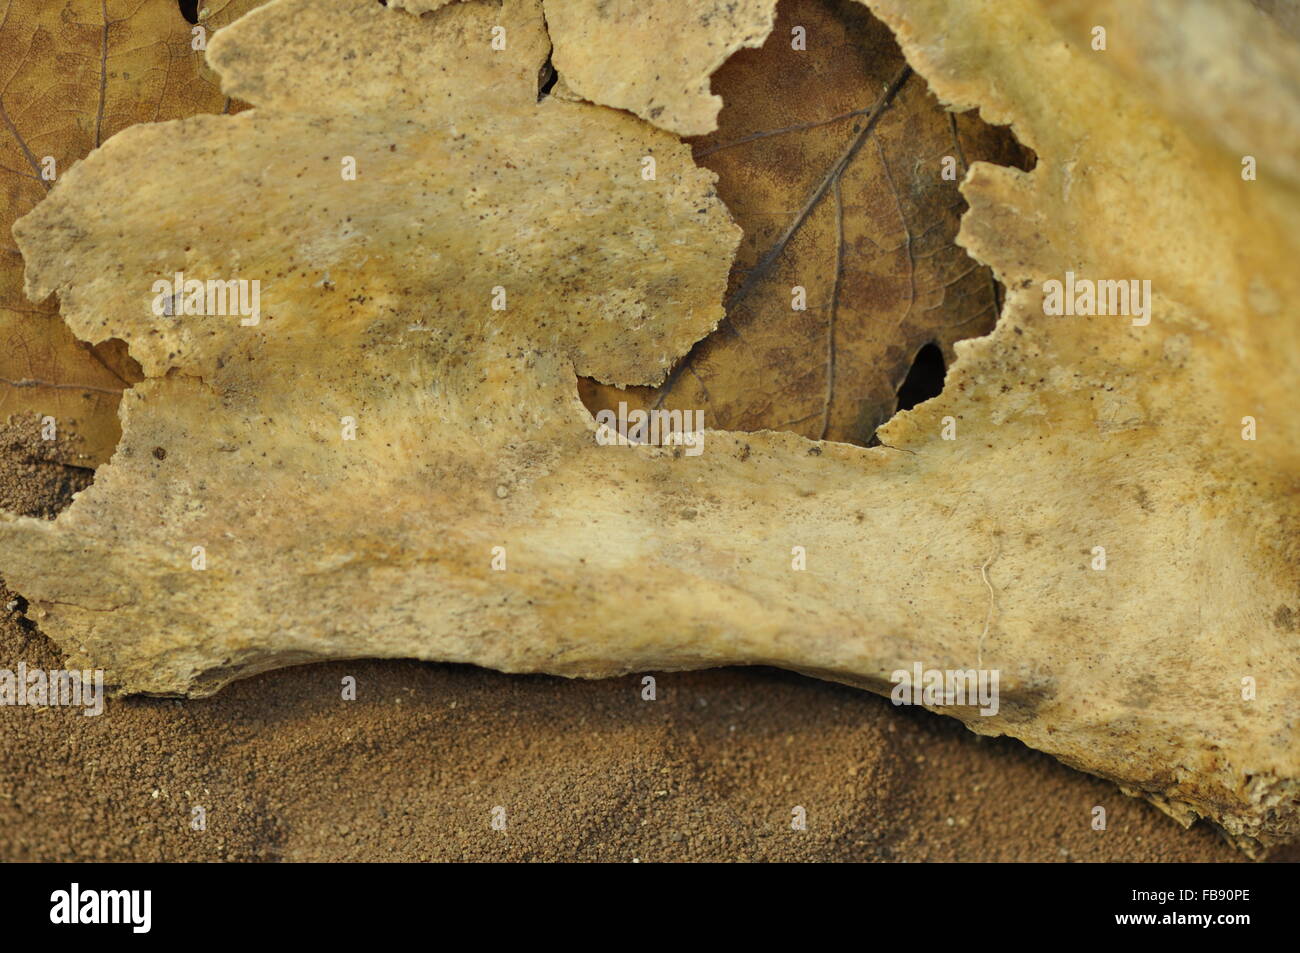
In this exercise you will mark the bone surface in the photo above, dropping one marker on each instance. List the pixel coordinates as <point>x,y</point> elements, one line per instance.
<point>475,517</point>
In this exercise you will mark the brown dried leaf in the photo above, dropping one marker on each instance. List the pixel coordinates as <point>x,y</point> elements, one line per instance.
<point>74,73</point>
<point>831,160</point>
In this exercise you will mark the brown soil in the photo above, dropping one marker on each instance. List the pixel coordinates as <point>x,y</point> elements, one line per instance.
<point>412,770</point>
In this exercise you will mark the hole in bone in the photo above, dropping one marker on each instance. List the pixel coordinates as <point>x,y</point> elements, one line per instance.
<point>546,79</point>
<point>924,380</point>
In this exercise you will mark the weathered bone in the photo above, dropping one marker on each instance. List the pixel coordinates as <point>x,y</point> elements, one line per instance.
<point>977,552</point>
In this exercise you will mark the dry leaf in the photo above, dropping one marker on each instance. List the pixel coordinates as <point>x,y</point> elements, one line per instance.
<point>978,552</point>
<point>832,160</point>
<point>76,72</point>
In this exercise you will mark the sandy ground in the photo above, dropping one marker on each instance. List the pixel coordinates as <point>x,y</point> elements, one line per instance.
<point>712,769</point>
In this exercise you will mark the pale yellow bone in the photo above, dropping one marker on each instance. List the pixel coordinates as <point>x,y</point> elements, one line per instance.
<point>1071,432</point>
